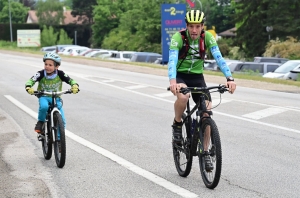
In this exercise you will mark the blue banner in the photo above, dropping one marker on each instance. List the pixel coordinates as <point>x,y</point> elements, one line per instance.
<point>172,20</point>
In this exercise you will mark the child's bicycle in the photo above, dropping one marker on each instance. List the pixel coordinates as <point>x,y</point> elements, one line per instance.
<point>192,144</point>
<point>53,130</point>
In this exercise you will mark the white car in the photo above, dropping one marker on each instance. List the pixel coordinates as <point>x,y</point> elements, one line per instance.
<point>68,50</point>
<point>78,51</point>
<point>284,71</point>
<point>121,55</point>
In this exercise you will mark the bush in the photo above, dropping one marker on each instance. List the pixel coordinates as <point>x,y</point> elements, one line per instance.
<point>289,48</point>
<point>63,38</point>
<point>48,37</point>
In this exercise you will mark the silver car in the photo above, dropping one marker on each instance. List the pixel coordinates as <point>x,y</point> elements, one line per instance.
<point>288,70</point>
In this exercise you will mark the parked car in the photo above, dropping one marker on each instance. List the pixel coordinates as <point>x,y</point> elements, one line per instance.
<point>270,60</point>
<point>285,71</point>
<point>103,54</point>
<point>68,50</point>
<point>146,57</point>
<point>121,55</point>
<point>211,65</point>
<point>85,53</point>
<point>259,68</point>
<point>61,47</point>
<point>48,49</point>
<point>160,61</point>
<point>78,51</point>
<point>232,64</point>
<point>293,75</point>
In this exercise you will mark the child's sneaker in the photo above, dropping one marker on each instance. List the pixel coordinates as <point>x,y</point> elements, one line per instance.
<point>39,126</point>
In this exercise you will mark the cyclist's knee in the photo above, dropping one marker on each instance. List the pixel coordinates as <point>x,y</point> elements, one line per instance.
<point>44,107</point>
<point>182,97</point>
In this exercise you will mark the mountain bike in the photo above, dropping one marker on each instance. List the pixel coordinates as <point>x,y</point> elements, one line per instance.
<point>53,130</point>
<point>193,135</point>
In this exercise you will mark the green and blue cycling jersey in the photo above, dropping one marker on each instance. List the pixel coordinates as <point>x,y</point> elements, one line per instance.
<point>50,83</point>
<point>192,63</point>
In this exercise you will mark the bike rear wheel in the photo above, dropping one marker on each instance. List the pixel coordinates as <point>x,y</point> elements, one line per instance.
<point>182,154</point>
<point>211,178</point>
<point>60,140</point>
<point>47,140</point>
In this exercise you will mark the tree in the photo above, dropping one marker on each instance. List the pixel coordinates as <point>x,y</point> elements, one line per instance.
<point>219,13</point>
<point>28,3</point>
<point>107,16</point>
<point>50,12</point>
<point>84,8</point>
<point>18,12</point>
<point>48,36</point>
<point>252,18</point>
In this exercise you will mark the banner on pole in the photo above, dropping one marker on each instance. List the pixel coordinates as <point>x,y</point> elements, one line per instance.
<point>172,20</point>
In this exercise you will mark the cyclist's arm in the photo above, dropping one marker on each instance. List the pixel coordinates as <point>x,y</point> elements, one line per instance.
<point>64,77</point>
<point>175,46</point>
<point>215,51</point>
<point>37,77</point>
<point>173,59</point>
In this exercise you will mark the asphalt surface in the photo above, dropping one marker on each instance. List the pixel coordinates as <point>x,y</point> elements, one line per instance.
<point>260,156</point>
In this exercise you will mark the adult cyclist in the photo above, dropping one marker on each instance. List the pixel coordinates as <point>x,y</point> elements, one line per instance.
<point>185,68</point>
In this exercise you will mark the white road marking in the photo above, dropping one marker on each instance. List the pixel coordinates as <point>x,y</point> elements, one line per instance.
<point>130,166</point>
<point>166,94</point>
<point>215,112</point>
<point>136,86</point>
<point>264,113</point>
<point>108,81</point>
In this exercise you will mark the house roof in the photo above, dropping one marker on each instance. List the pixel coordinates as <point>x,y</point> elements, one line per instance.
<point>32,18</point>
<point>230,32</point>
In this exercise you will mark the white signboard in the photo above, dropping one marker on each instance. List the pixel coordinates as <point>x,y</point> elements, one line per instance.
<point>29,38</point>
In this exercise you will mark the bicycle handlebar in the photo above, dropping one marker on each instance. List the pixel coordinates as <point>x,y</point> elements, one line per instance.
<point>184,90</point>
<point>52,93</point>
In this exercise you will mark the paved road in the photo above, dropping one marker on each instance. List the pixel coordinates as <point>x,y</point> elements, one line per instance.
<point>118,141</point>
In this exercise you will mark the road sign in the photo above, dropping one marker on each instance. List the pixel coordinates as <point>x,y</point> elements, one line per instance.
<point>29,38</point>
<point>172,20</point>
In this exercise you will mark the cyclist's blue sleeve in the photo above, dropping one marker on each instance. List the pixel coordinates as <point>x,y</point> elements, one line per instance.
<point>215,51</point>
<point>173,59</point>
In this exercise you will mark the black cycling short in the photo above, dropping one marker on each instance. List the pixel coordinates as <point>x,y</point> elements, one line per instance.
<point>193,80</point>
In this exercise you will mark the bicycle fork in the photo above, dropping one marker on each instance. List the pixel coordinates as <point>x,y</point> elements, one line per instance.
<point>53,128</point>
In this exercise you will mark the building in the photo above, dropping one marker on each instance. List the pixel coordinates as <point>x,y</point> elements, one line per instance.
<point>68,18</point>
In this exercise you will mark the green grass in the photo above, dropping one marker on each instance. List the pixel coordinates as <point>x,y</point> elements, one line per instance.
<point>5,45</point>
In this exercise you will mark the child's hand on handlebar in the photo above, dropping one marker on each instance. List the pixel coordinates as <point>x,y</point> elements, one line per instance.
<point>75,89</point>
<point>30,90</point>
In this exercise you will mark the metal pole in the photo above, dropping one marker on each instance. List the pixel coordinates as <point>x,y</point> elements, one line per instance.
<point>11,36</point>
<point>75,37</point>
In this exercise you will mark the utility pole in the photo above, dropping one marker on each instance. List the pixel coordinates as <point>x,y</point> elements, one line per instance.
<point>11,36</point>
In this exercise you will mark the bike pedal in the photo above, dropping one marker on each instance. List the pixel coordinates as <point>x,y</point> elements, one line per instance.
<point>39,137</point>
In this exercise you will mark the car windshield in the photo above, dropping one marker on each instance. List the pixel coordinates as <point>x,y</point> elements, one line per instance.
<point>287,67</point>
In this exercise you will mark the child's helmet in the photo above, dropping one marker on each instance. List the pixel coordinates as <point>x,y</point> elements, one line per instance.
<point>52,56</point>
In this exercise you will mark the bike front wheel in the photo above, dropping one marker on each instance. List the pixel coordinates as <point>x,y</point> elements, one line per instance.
<point>211,178</point>
<point>60,140</point>
<point>182,153</point>
<point>46,137</point>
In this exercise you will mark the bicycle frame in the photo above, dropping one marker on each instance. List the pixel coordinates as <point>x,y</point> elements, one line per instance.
<point>201,107</point>
<point>52,108</point>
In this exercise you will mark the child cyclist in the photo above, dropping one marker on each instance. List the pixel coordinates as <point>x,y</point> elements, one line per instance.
<point>50,79</point>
